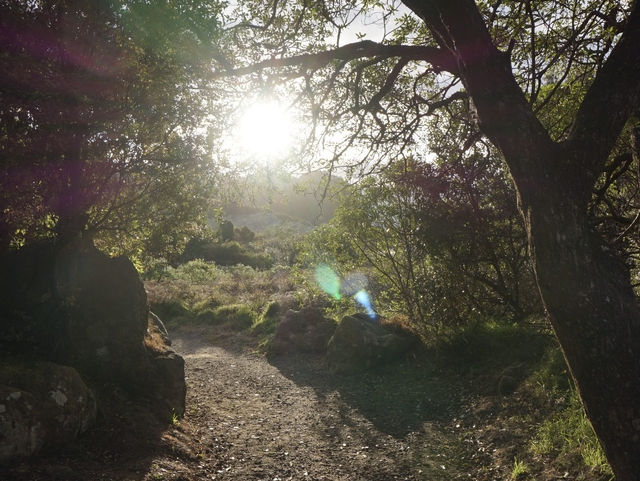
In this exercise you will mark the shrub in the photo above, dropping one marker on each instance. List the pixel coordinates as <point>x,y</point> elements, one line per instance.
<point>493,345</point>
<point>226,254</point>
<point>226,231</point>
<point>155,270</point>
<point>244,234</point>
<point>197,271</point>
<point>170,309</point>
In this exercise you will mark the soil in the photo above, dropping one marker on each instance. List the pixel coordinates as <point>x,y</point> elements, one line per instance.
<point>288,418</point>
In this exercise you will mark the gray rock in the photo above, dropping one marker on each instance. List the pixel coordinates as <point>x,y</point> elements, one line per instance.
<point>41,405</point>
<point>106,315</point>
<point>76,306</point>
<point>171,388</point>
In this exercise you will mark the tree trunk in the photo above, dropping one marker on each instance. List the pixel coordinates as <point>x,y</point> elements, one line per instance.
<point>587,293</point>
<point>585,289</point>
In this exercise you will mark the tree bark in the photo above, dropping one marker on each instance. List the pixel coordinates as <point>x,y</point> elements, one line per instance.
<point>71,211</point>
<point>587,294</point>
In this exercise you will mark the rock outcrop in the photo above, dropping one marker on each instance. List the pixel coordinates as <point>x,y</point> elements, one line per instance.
<point>106,316</point>
<point>360,343</point>
<point>306,330</point>
<point>41,405</point>
<point>78,307</point>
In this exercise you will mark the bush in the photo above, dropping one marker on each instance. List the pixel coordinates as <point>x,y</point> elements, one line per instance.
<point>493,345</point>
<point>155,270</point>
<point>244,235</point>
<point>197,271</point>
<point>226,231</point>
<point>267,323</point>
<point>171,309</point>
<point>225,254</point>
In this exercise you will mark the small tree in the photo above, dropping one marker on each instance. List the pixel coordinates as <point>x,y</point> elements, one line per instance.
<point>226,231</point>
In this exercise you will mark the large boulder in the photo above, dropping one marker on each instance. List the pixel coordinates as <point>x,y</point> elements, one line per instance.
<point>306,330</point>
<point>360,343</point>
<point>42,405</point>
<point>106,315</point>
<point>76,306</point>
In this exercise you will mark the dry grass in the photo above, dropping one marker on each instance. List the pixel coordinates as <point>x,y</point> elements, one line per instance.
<point>154,339</point>
<point>228,285</point>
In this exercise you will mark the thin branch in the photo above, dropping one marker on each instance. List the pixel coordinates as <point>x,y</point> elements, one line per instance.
<point>388,84</point>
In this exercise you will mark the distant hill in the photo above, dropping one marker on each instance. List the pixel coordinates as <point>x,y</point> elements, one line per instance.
<point>296,203</point>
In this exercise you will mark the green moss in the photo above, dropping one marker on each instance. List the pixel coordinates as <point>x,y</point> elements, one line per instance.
<point>210,303</point>
<point>239,315</point>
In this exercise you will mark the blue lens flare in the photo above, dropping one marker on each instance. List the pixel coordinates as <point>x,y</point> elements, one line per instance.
<point>354,282</point>
<point>364,300</point>
<point>353,285</point>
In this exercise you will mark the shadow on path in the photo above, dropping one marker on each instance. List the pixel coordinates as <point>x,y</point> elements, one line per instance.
<point>397,399</point>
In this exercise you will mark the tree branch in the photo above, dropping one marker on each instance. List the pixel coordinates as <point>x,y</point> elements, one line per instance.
<point>611,99</point>
<point>439,58</point>
<point>504,113</point>
<point>388,84</point>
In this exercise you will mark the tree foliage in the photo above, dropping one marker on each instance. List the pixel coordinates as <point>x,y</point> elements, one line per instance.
<point>445,242</point>
<point>102,130</point>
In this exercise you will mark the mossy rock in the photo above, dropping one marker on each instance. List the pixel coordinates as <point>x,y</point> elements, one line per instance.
<point>210,303</point>
<point>239,316</point>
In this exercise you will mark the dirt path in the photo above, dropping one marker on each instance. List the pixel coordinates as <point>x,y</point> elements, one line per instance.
<point>249,418</point>
<point>292,420</point>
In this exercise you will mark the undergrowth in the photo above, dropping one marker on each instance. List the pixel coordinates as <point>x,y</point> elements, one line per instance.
<point>200,292</point>
<point>523,369</point>
<point>568,434</point>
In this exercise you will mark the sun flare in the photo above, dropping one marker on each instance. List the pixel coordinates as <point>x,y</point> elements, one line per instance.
<point>265,131</point>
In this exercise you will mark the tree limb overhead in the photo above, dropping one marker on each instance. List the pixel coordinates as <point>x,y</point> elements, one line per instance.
<point>440,59</point>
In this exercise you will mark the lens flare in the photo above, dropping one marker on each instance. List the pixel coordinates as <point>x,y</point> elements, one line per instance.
<point>365,301</point>
<point>353,283</point>
<point>328,280</point>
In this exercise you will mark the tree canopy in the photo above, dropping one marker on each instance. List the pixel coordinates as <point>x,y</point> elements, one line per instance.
<point>103,132</point>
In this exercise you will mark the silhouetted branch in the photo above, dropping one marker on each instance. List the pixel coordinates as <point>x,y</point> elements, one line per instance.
<point>440,59</point>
